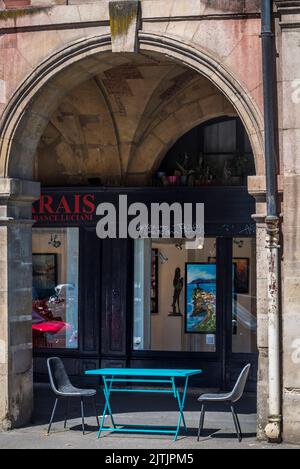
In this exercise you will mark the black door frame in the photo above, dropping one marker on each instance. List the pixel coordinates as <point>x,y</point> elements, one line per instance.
<point>232,362</point>
<point>228,364</point>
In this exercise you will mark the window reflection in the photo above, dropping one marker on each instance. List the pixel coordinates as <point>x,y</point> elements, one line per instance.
<point>55,288</point>
<point>244,317</point>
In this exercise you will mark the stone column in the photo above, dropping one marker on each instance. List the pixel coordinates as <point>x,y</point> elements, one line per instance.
<point>289,106</point>
<point>262,328</point>
<point>256,187</point>
<point>16,396</point>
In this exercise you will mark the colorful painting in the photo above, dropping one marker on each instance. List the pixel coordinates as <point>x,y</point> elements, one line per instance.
<point>200,298</point>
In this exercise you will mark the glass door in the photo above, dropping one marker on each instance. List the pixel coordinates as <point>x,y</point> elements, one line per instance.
<point>237,302</point>
<point>175,291</point>
<point>196,308</point>
<point>244,317</point>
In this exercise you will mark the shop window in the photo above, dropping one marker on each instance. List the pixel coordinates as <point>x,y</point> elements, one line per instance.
<point>55,288</point>
<point>174,296</point>
<point>244,317</point>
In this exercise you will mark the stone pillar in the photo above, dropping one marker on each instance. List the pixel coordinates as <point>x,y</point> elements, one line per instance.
<point>289,106</point>
<point>262,328</point>
<point>16,397</point>
<point>256,187</point>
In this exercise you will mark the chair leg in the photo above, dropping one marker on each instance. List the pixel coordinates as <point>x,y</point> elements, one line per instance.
<point>82,415</point>
<point>66,412</point>
<point>95,407</point>
<point>239,426</point>
<point>201,421</point>
<point>236,424</point>
<point>52,416</point>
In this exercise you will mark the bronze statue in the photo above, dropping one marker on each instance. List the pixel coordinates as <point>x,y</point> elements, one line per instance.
<point>178,286</point>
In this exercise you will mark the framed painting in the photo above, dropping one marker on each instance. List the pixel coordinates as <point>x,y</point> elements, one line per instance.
<point>200,297</point>
<point>241,273</point>
<point>154,281</point>
<point>44,274</point>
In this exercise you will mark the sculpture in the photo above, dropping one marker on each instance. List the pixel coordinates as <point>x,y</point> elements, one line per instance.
<point>178,286</point>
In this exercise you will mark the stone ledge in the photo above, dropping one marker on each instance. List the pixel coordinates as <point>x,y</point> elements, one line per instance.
<point>19,190</point>
<point>257,184</point>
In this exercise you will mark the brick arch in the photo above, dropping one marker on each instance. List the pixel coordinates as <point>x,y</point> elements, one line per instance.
<point>30,108</point>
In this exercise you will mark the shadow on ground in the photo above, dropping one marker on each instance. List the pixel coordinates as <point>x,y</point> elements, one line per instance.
<point>153,404</point>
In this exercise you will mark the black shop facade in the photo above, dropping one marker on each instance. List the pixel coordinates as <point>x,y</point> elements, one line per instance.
<point>144,302</point>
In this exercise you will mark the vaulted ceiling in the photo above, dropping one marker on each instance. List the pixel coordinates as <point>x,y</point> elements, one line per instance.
<point>119,124</point>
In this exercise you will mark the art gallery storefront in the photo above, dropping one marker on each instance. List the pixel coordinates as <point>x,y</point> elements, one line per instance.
<point>147,302</point>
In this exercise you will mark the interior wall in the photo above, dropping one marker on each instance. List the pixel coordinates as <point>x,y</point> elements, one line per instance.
<point>40,240</point>
<point>166,331</point>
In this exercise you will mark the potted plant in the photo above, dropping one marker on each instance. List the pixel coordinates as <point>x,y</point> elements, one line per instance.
<point>238,166</point>
<point>185,175</point>
<point>201,172</point>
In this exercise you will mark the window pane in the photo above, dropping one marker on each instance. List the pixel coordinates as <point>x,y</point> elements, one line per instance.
<point>55,287</point>
<point>142,291</point>
<point>220,137</point>
<point>244,318</point>
<point>160,298</point>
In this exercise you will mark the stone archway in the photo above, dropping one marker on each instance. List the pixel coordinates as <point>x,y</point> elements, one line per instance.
<point>35,100</point>
<point>21,127</point>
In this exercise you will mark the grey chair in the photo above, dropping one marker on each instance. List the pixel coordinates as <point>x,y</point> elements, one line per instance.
<point>63,389</point>
<point>229,398</point>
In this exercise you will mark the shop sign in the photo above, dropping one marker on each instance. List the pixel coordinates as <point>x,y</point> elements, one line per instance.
<point>70,208</point>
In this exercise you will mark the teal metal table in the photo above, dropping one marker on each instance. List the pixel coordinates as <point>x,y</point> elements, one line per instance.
<point>170,377</point>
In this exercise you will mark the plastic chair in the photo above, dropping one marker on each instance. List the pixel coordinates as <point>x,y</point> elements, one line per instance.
<point>63,389</point>
<point>229,398</point>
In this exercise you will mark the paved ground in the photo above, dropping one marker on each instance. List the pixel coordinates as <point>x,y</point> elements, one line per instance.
<point>132,408</point>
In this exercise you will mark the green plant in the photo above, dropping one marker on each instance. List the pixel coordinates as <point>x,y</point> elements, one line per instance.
<point>185,172</point>
<point>238,165</point>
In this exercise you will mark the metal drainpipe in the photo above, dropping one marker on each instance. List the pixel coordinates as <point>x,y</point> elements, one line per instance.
<point>273,428</point>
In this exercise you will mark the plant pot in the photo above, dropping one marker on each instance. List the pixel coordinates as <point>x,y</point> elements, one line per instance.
<point>15,4</point>
<point>183,180</point>
<point>235,180</point>
<point>173,180</point>
<point>191,180</point>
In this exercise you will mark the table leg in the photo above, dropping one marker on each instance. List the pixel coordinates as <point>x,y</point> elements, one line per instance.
<point>177,396</point>
<point>106,392</point>
<point>181,402</point>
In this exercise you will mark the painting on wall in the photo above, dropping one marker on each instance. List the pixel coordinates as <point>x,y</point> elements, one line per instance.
<point>200,298</point>
<point>241,273</point>
<point>154,281</point>
<point>44,274</point>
